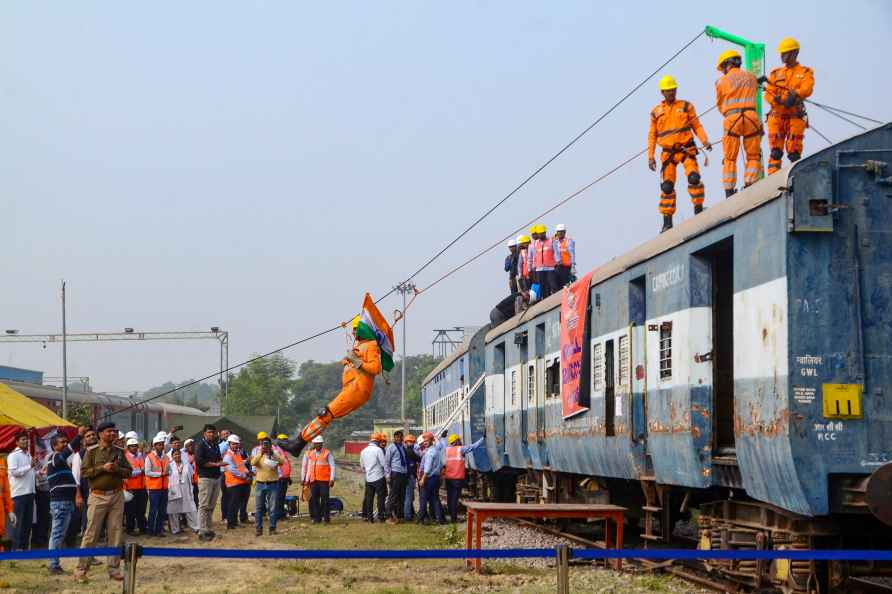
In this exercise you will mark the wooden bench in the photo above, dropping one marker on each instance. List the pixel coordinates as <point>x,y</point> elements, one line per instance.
<point>479,512</point>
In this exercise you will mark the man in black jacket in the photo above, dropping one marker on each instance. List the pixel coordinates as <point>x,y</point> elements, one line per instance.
<point>62,490</point>
<point>209,461</point>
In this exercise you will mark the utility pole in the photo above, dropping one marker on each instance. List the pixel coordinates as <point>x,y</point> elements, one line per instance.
<point>64,358</point>
<point>404,288</point>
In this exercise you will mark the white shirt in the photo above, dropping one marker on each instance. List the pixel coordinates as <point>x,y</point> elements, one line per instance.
<point>74,461</point>
<point>372,461</point>
<point>21,475</point>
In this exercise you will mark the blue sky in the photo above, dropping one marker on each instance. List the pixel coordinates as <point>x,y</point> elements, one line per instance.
<point>259,165</point>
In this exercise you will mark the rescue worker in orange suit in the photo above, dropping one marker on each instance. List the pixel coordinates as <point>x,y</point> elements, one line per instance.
<point>454,471</point>
<point>735,94</point>
<point>787,87</point>
<point>361,365</point>
<point>673,124</point>
<point>317,471</point>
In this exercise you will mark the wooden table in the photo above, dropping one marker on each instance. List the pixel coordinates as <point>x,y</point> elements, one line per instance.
<point>479,512</point>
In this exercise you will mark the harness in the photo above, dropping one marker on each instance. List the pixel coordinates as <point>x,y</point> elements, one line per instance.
<point>689,148</point>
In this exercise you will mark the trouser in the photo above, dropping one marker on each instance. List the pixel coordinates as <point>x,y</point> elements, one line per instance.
<point>284,483</point>
<point>208,491</point>
<point>453,492</point>
<point>742,127</point>
<point>351,397</point>
<point>671,159</point>
<point>195,494</point>
<point>157,511</point>
<point>23,508</point>
<point>430,498</point>
<point>191,521</point>
<point>563,274</point>
<point>40,532</point>
<point>396,494</point>
<point>376,489</point>
<point>61,513</point>
<point>135,511</point>
<point>409,497</point>
<point>73,535</point>
<point>238,497</point>
<point>105,511</point>
<point>224,500</point>
<point>265,501</point>
<point>785,129</point>
<point>547,282</point>
<point>85,495</point>
<point>319,501</point>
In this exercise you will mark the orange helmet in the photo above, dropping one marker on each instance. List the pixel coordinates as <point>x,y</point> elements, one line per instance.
<point>409,438</point>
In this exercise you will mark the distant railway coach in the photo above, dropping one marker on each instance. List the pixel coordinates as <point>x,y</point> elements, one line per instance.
<point>737,364</point>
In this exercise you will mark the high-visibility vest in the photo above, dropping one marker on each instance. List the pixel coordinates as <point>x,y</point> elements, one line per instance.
<point>285,467</point>
<point>156,483</point>
<point>736,92</point>
<point>135,483</point>
<point>455,463</point>
<point>230,479</point>
<point>524,263</point>
<point>545,254</point>
<point>565,251</point>
<point>318,468</point>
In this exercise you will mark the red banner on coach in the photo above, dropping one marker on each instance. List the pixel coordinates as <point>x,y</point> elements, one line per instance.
<point>573,307</point>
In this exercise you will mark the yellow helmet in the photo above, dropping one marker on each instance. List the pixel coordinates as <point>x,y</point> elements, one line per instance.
<point>354,323</point>
<point>281,436</point>
<point>542,229</point>
<point>667,83</point>
<point>725,56</point>
<point>454,438</point>
<point>534,229</point>
<point>263,435</point>
<point>523,239</point>
<point>787,44</point>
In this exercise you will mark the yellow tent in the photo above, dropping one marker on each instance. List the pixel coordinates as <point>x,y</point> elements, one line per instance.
<point>17,409</point>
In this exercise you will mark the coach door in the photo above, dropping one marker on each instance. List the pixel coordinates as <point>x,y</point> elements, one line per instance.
<point>638,347</point>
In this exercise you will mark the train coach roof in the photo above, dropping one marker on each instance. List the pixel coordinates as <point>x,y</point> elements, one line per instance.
<point>763,191</point>
<point>54,393</point>
<point>453,356</point>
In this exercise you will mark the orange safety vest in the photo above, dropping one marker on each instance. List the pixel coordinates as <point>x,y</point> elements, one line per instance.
<point>231,479</point>
<point>455,463</point>
<point>157,483</point>
<point>318,469</point>
<point>524,263</point>
<point>736,92</point>
<point>544,256</point>
<point>135,483</point>
<point>565,251</point>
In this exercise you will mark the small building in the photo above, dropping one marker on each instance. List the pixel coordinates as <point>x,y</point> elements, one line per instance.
<point>388,426</point>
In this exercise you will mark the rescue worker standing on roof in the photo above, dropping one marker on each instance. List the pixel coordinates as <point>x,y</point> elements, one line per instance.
<point>544,260</point>
<point>523,273</point>
<point>511,266</point>
<point>673,124</point>
<point>735,97</point>
<point>565,251</point>
<point>787,87</point>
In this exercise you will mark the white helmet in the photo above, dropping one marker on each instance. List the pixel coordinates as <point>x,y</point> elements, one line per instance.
<point>560,227</point>
<point>132,435</point>
<point>512,243</point>
<point>132,441</point>
<point>158,439</point>
<point>121,435</point>
<point>233,439</point>
<point>318,439</point>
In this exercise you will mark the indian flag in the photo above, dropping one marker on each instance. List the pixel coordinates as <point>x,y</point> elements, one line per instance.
<point>373,326</point>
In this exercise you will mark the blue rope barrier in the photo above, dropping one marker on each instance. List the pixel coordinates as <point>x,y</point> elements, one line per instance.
<point>747,555</point>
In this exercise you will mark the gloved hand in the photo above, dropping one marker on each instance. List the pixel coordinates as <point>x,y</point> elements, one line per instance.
<point>444,434</point>
<point>708,146</point>
<point>791,100</point>
<point>652,164</point>
<point>354,360</point>
<point>762,79</point>
<point>11,517</point>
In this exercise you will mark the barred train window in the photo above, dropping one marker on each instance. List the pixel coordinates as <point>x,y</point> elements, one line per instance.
<point>531,383</point>
<point>665,351</point>
<point>513,387</point>
<point>598,366</point>
<point>555,383</point>
<point>624,360</point>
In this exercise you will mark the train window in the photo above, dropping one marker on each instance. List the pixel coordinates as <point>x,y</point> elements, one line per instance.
<point>624,362</point>
<point>531,383</point>
<point>597,366</point>
<point>553,379</point>
<point>665,351</point>
<point>513,387</point>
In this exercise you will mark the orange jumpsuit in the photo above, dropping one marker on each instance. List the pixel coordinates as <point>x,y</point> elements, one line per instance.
<point>671,127</point>
<point>735,96</point>
<point>356,388</point>
<point>787,124</point>
<point>5,498</point>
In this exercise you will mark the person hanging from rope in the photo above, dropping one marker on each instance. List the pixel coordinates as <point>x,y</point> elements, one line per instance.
<point>786,91</point>
<point>735,94</point>
<point>673,124</point>
<point>372,353</point>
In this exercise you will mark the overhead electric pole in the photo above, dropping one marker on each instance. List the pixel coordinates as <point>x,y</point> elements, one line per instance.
<point>64,358</point>
<point>404,288</point>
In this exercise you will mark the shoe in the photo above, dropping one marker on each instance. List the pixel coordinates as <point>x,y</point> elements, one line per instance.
<point>391,521</point>
<point>211,533</point>
<point>292,446</point>
<point>80,575</point>
<point>56,571</point>
<point>272,531</point>
<point>258,532</point>
<point>205,537</point>
<point>667,223</point>
<point>116,575</point>
<point>161,535</point>
<point>327,520</point>
<point>698,208</point>
<point>729,193</point>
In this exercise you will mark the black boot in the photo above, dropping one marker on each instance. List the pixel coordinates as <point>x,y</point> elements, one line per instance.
<point>293,447</point>
<point>698,208</point>
<point>667,223</point>
<point>729,193</point>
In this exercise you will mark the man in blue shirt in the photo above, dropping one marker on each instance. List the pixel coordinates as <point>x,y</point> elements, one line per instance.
<point>395,469</point>
<point>431,465</point>
<point>62,488</point>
